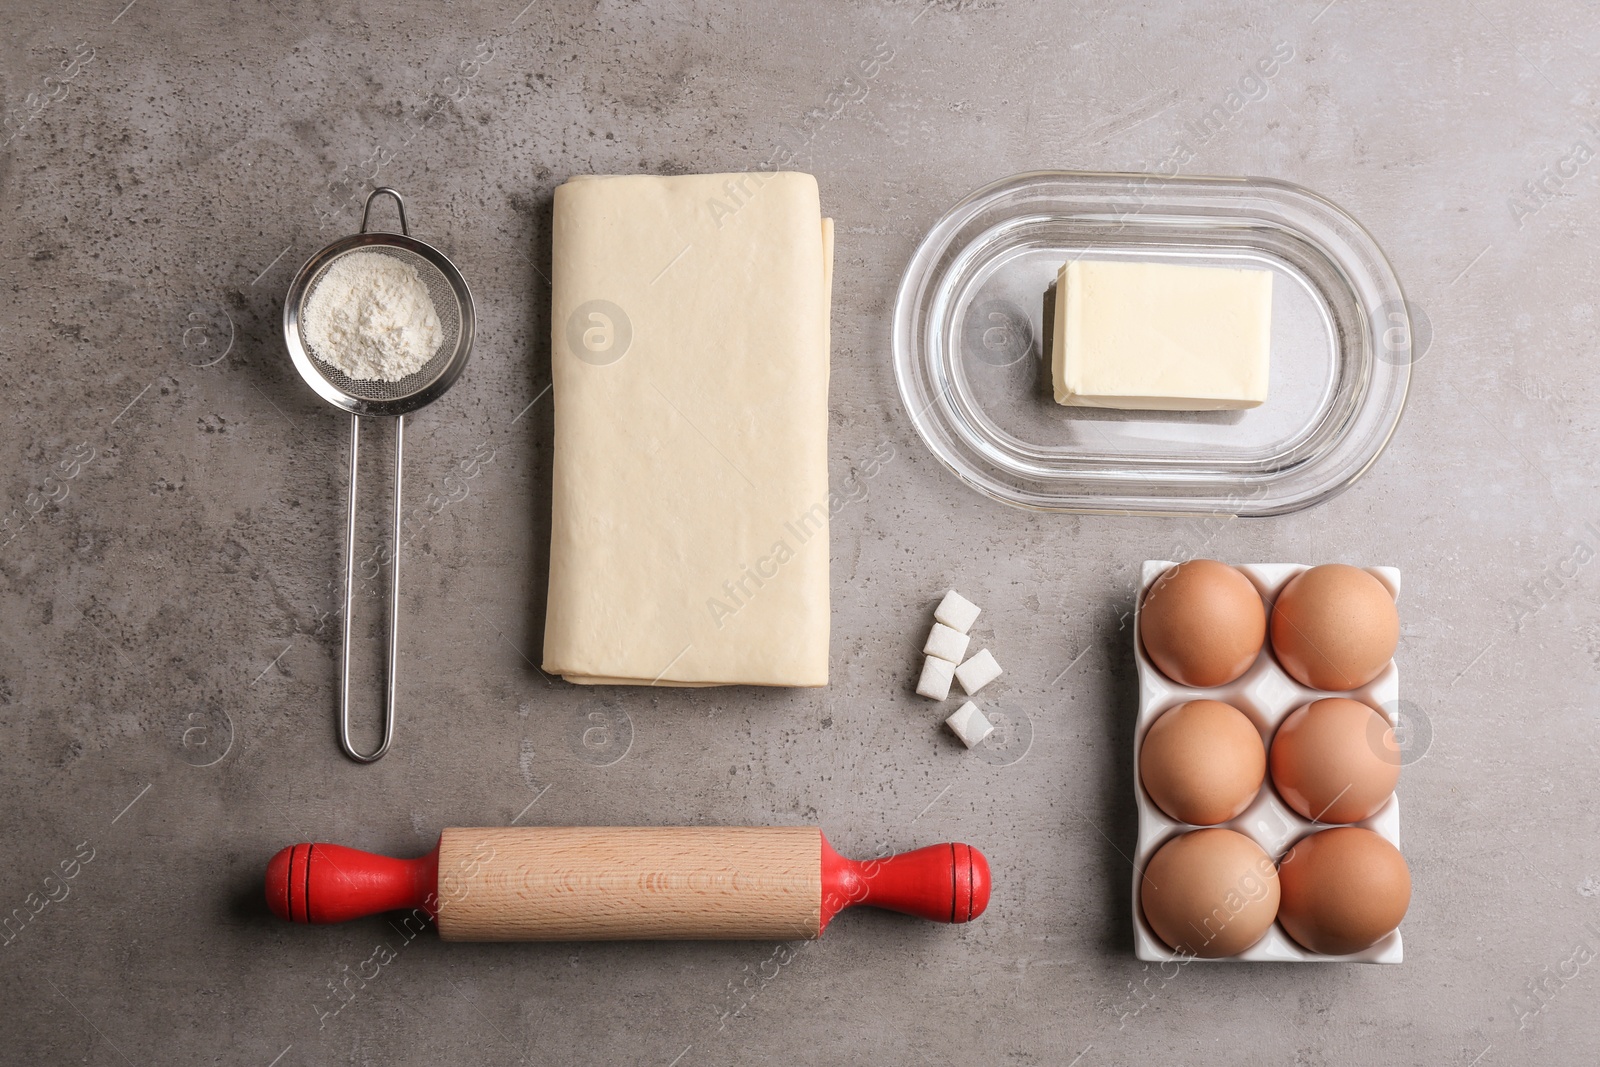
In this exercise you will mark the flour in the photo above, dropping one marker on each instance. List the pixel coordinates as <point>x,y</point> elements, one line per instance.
<point>370,317</point>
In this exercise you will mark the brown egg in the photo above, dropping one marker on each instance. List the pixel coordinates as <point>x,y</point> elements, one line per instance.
<point>1334,627</point>
<point>1344,890</point>
<point>1202,762</point>
<point>1210,893</point>
<point>1335,760</point>
<point>1202,623</point>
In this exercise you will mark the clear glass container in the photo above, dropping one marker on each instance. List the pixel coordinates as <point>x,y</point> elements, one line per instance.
<point>974,315</point>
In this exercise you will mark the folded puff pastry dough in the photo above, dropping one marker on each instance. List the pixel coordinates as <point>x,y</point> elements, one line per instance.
<point>689,345</point>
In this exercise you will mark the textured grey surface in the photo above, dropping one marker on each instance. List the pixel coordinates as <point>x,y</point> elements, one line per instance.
<point>171,604</point>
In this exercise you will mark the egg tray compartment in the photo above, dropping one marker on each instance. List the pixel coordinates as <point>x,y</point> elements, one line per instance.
<point>1266,694</point>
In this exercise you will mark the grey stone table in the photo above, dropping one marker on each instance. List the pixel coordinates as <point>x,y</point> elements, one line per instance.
<point>174,498</point>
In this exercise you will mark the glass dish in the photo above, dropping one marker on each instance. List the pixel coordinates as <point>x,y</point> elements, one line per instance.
<point>972,327</point>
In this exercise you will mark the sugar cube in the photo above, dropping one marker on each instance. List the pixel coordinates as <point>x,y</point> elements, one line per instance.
<point>957,612</point>
<point>969,724</point>
<point>977,672</point>
<point>935,681</point>
<point>946,643</point>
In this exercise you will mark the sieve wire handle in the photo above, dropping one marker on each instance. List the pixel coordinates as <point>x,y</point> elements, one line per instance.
<point>392,663</point>
<point>399,202</point>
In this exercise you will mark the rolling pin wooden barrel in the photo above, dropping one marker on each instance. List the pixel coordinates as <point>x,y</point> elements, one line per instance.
<point>623,882</point>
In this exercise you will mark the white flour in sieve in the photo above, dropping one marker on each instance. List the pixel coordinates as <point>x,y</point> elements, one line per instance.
<point>371,318</point>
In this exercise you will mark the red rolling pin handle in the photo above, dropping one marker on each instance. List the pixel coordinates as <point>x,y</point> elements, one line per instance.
<point>946,883</point>
<point>322,883</point>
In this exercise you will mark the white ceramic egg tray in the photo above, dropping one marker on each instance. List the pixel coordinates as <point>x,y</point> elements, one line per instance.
<point>1266,694</point>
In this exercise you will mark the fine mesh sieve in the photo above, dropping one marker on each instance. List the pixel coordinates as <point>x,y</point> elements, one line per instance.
<point>452,301</point>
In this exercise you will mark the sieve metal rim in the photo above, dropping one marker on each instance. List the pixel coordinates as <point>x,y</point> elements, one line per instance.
<point>305,363</point>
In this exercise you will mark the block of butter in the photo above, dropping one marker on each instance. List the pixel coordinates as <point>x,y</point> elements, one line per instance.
<point>689,350</point>
<point>1161,336</point>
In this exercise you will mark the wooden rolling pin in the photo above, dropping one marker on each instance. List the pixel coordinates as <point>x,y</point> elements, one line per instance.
<point>611,883</point>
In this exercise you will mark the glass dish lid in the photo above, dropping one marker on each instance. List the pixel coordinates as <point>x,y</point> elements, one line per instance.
<point>972,337</point>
